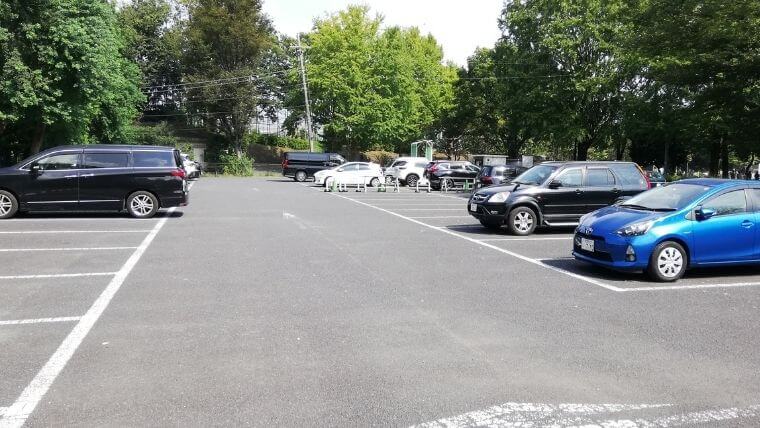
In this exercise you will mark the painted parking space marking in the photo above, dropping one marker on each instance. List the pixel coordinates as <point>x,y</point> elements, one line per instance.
<point>427,209</point>
<point>693,286</point>
<point>513,415</point>
<point>17,413</point>
<point>57,275</point>
<point>553,238</point>
<point>39,320</point>
<point>436,216</point>
<point>21,250</point>
<point>63,232</point>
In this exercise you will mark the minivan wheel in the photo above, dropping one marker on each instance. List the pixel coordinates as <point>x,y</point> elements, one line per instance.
<point>522,221</point>
<point>667,262</point>
<point>8,205</point>
<point>300,176</point>
<point>411,180</point>
<point>375,182</point>
<point>142,204</point>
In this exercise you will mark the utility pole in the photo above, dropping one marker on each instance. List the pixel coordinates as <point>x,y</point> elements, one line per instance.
<point>305,94</point>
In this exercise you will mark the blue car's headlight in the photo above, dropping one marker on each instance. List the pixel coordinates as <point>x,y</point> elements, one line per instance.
<point>636,229</point>
<point>499,197</point>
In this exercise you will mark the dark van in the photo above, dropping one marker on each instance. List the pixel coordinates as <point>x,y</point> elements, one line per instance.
<point>555,194</point>
<point>136,179</point>
<point>303,165</point>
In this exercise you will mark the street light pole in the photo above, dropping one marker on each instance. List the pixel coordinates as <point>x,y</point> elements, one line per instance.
<point>305,94</point>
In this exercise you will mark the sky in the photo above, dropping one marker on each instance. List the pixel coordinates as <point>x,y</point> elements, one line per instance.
<point>458,26</point>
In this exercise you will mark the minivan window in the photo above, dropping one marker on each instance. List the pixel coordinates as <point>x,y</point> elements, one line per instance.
<point>105,160</point>
<point>153,159</point>
<point>629,174</point>
<point>536,175</point>
<point>59,162</point>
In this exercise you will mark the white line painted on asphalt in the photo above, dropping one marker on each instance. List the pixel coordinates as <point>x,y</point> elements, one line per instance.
<point>438,216</point>
<point>2,410</point>
<point>19,250</point>
<point>55,232</point>
<point>693,287</point>
<point>536,238</point>
<point>58,275</point>
<point>40,320</point>
<point>535,415</point>
<point>427,209</point>
<point>487,245</point>
<point>16,415</point>
<point>86,219</point>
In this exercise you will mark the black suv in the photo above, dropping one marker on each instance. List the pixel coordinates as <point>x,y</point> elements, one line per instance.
<point>303,165</point>
<point>555,194</point>
<point>451,174</point>
<point>497,174</point>
<point>138,179</point>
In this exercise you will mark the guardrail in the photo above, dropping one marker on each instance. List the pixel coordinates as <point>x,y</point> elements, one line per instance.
<point>458,184</point>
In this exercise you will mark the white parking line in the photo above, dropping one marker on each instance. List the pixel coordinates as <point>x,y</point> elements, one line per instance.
<point>16,415</point>
<point>54,232</point>
<point>553,238</point>
<point>15,250</point>
<point>58,275</point>
<point>693,287</point>
<point>427,209</point>
<point>439,216</point>
<point>40,320</point>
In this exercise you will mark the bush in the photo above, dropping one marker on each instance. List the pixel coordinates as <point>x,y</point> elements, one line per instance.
<point>276,141</point>
<point>152,135</point>
<point>379,156</point>
<point>233,165</point>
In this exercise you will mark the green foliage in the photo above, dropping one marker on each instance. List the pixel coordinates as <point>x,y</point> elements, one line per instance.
<point>381,157</point>
<point>294,143</point>
<point>237,165</point>
<point>372,87</point>
<point>151,135</point>
<point>61,70</point>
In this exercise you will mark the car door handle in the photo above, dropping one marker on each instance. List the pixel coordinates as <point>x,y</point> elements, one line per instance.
<point>747,224</point>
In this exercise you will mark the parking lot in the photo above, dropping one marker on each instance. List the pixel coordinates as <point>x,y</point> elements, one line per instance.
<point>267,302</point>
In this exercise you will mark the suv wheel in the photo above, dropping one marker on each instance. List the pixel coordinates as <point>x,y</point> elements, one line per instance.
<point>300,176</point>
<point>490,225</point>
<point>522,221</point>
<point>142,204</point>
<point>8,205</point>
<point>411,180</point>
<point>667,262</point>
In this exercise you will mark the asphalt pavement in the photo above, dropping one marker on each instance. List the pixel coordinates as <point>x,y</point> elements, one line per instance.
<point>271,303</point>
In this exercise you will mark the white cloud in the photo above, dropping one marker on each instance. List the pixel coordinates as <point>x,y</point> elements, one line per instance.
<point>459,27</point>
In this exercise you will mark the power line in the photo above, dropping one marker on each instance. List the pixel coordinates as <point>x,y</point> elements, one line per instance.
<point>249,77</point>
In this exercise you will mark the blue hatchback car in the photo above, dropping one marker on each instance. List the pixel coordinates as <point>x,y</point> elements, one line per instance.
<point>664,231</point>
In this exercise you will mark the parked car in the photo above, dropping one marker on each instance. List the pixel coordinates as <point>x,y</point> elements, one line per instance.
<point>191,167</point>
<point>303,165</point>
<point>351,173</point>
<point>451,173</point>
<point>555,194</point>
<point>665,231</point>
<point>497,174</point>
<point>408,170</point>
<point>138,179</point>
<point>656,178</point>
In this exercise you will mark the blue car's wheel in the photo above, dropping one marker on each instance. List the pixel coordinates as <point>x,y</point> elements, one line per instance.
<point>668,262</point>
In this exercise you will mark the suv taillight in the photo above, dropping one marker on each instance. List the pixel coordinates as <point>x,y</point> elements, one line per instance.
<point>284,163</point>
<point>179,173</point>
<point>646,176</point>
<point>434,168</point>
<point>486,180</point>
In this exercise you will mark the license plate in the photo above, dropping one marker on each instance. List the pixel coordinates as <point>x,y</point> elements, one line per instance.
<point>587,244</point>
<point>474,208</point>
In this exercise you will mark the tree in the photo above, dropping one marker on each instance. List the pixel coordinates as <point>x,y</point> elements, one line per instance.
<point>61,69</point>
<point>233,66</point>
<point>374,89</point>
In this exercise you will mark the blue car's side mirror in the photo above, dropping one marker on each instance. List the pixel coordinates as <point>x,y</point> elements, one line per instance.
<point>704,213</point>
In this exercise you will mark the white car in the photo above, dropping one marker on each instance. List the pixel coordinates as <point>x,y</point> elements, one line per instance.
<point>408,170</point>
<point>351,173</point>
<point>191,168</point>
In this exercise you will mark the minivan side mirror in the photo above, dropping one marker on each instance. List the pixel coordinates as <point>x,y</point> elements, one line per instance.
<point>554,184</point>
<point>703,213</point>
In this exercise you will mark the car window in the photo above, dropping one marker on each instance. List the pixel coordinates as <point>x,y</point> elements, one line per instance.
<point>456,167</point>
<point>599,177</point>
<point>536,175</point>
<point>443,166</point>
<point>153,159</point>
<point>472,168</point>
<point>420,164</point>
<point>362,167</point>
<point>571,178</point>
<point>629,175</point>
<point>349,167</point>
<point>105,160</point>
<point>728,203</point>
<point>399,163</point>
<point>59,162</point>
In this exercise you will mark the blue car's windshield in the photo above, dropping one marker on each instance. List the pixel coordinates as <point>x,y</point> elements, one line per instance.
<point>668,198</point>
<point>536,175</point>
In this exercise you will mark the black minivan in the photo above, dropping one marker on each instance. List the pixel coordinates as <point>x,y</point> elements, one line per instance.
<point>555,194</point>
<point>138,179</point>
<point>303,165</point>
